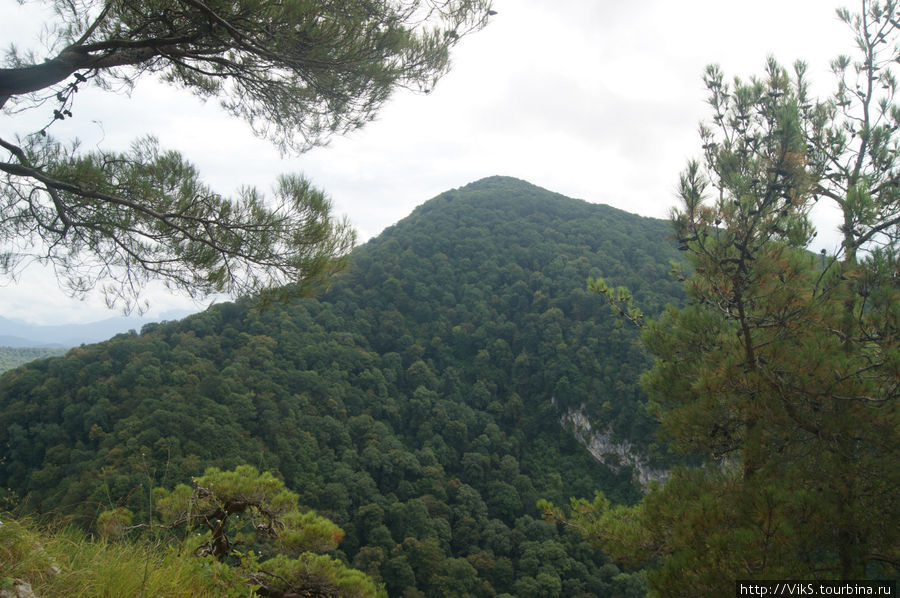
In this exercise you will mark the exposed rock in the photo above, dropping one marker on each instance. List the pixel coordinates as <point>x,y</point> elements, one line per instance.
<point>614,454</point>
<point>20,589</point>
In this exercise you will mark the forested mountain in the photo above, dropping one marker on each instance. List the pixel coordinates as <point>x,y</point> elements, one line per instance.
<point>417,403</point>
<point>11,357</point>
<point>16,333</point>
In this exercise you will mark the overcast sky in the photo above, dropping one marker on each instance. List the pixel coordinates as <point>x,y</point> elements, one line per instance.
<point>597,100</point>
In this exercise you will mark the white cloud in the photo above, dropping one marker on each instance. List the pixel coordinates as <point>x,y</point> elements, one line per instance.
<point>594,99</point>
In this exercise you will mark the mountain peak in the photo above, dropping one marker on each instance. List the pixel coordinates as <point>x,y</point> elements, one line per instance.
<point>497,180</point>
<point>429,382</point>
<point>508,186</point>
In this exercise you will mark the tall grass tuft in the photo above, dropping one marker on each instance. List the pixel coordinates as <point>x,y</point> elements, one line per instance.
<point>60,560</point>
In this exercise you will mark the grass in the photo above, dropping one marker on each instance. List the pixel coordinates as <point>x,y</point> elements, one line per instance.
<point>59,560</point>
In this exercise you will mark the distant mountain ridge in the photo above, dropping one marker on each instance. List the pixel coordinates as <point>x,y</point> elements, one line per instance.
<point>17,333</point>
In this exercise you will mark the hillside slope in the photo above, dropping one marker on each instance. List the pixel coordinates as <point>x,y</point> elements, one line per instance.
<point>417,403</point>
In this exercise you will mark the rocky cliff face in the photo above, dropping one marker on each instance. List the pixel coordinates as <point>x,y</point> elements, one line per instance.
<point>613,454</point>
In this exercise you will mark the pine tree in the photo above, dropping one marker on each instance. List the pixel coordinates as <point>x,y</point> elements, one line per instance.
<point>298,72</point>
<point>783,371</point>
<point>233,509</point>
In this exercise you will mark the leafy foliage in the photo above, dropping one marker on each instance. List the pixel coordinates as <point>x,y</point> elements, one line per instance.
<point>416,404</point>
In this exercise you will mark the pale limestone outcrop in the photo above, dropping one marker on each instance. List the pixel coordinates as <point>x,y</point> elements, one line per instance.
<point>612,453</point>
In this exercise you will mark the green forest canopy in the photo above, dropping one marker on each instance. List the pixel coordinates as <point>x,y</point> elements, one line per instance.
<point>416,404</point>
